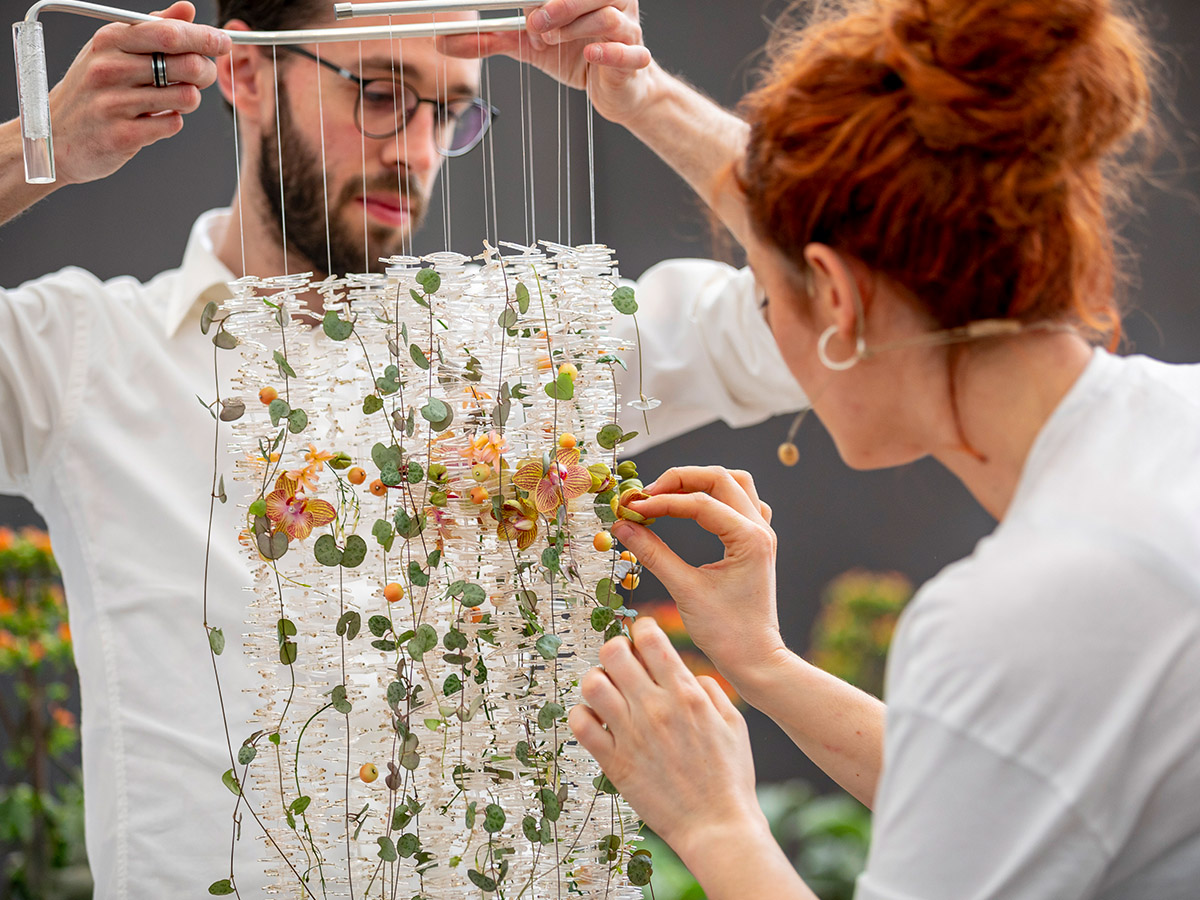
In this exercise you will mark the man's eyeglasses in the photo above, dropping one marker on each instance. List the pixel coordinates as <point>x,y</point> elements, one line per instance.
<point>385,106</point>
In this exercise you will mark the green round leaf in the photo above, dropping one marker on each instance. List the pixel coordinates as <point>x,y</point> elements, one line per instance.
<point>297,421</point>
<point>639,871</point>
<point>602,617</point>
<point>224,340</point>
<point>481,881</point>
<point>216,640</point>
<point>429,280</point>
<point>435,410</point>
<point>222,887</point>
<point>336,328</point>
<point>349,624</point>
<point>418,356</point>
<point>550,713</point>
<point>493,818</point>
<point>473,595</point>
<point>508,318</point>
<point>355,552</point>
<point>207,316</point>
<point>246,754</point>
<point>287,653</point>
<point>232,410</point>
<point>547,647</point>
<point>278,409</point>
<point>550,804</point>
<point>379,625</point>
<point>258,507</point>
<point>326,551</point>
<point>387,850</point>
<point>609,436</point>
<point>623,300</point>
<point>371,404</point>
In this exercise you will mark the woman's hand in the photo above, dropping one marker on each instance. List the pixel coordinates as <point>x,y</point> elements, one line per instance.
<point>106,108</point>
<point>728,606</point>
<point>654,727</point>
<point>564,37</point>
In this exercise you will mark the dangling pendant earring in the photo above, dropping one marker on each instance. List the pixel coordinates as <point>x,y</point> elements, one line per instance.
<point>789,453</point>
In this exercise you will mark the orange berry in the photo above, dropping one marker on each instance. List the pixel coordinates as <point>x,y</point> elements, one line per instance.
<point>368,773</point>
<point>569,370</point>
<point>630,581</point>
<point>378,488</point>
<point>480,495</point>
<point>628,557</point>
<point>393,592</point>
<point>603,541</point>
<point>267,395</point>
<point>357,475</point>
<point>567,441</point>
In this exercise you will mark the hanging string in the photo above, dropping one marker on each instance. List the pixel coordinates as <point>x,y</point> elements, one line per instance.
<point>363,134</point>
<point>567,101</point>
<point>279,148</point>
<point>491,154</point>
<point>524,152</point>
<point>407,172</point>
<point>237,158</point>
<point>591,141</point>
<point>558,102</point>
<point>400,194</point>
<point>529,123</point>
<point>324,173</point>
<point>483,149</point>
<point>438,124</point>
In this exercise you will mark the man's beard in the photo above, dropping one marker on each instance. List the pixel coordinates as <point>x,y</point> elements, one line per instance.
<point>321,239</point>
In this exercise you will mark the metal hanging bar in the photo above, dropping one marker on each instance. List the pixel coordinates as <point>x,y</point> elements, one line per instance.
<point>418,7</point>
<point>34,91</point>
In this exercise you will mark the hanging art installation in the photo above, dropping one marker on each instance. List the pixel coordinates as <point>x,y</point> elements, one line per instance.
<point>431,467</point>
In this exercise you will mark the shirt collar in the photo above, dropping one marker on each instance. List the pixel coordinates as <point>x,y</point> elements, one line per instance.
<point>202,277</point>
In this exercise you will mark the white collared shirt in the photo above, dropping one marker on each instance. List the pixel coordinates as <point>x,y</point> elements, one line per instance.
<point>101,429</point>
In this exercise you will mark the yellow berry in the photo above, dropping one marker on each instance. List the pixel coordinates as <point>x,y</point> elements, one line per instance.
<point>603,541</point>
<point>569,370</point>
<point>368,773</point>
<point>267,395</point>
<point>481,472</point>
<point>789,454</point>
<point>568,441</point>
<point>628,557</point>
<point>378,488</point>
<point>630,581</point>
<point>357,475</point>
<point>393,592</point>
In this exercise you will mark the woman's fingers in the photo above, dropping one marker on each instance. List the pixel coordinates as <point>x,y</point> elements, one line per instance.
<point>591,732</point>
<point>618,56</point>
<point>734,488</point>
<point>558,14</point>
<point>602,696</point>
<point>625,669</point>
<point>653,553</point>
<point>607,25</point>
<point>660,659</point>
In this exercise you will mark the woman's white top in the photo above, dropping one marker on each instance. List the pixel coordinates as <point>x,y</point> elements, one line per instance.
<point>1043,725</point>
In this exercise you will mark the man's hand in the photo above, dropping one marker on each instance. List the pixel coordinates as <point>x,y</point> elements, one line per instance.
<point>564,37</point>
<point>107,108</point>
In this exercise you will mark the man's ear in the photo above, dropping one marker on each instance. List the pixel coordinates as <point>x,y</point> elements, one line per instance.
<point>836,298</point>
<point>243,78</point>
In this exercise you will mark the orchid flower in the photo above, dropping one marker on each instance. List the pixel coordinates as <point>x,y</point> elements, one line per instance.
<point>518,521</point>
<point>293,513</point>
<point>552,486</point>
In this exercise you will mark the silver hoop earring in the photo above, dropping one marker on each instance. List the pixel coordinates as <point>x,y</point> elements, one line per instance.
<point>860,349</point>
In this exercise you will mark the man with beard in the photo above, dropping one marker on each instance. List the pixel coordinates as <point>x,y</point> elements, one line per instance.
<point>100,427</point>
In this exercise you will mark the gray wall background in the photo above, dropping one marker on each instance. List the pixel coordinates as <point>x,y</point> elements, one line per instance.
<point>830,519</point>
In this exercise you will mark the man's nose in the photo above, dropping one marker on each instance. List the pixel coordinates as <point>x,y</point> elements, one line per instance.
<point>416,145</point>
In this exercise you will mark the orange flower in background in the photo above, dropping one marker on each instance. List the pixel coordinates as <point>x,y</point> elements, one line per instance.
<point>39,539</point>
<point>64,632</point>
<point>487,448</point>
<point>518,521</point>
<point>293,513</point>
<point>6,539</point>
<point>7,607</point>
<point>564,480</point>
<point>63,718</point>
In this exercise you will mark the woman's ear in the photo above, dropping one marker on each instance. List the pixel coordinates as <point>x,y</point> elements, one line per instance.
<point>836,297</point>
<point>241,77</point>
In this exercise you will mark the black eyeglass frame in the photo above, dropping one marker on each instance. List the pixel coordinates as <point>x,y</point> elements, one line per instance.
<point>439,108</point>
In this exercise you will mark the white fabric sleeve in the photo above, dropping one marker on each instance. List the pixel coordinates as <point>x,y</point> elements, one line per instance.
<point>43,352</point>
<point>706,353</point>
<point>955,820</point>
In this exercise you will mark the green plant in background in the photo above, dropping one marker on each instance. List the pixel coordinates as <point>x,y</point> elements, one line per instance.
<point>825,836</point>
<point>41,827</point>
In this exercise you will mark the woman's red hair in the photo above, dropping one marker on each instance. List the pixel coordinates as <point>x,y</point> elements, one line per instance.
<point>961,148</point>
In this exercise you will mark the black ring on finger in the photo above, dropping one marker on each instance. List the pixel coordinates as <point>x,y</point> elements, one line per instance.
<point>159,63</point>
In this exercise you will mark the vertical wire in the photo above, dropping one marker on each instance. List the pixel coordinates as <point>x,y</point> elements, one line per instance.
<point>396,89</point>
<point>279,148</point>
<point>558,109</point>
<point>591,141</point>
<point>237,158</point>
<point>407,170</point>
<point>324,173</point>
<point>524,156</point>
<point>445,160</point>
<point>491,141</point>
<point>567,101</point>
<point>363,134</point>
<point>532,186</point>
<point>483,146</point>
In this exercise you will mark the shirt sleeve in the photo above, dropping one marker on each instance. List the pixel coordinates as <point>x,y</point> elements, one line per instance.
<point>43,335</point>
<point>706,353</point>
<point>956,820</point>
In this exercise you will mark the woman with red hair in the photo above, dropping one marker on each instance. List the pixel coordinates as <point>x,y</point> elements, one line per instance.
<point>930,184</point>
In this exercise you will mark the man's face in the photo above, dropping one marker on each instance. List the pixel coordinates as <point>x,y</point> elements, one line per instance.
<point>377,188</point>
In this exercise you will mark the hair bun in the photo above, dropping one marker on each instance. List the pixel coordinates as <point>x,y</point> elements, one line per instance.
<point>1063,78</point>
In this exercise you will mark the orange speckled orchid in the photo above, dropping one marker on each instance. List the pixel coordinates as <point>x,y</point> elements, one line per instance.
<point>293,513</point>
<point>518,521</point>
<point>564,479</point>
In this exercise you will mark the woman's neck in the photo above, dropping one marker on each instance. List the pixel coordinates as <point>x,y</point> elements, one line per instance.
<point>1006,392</point>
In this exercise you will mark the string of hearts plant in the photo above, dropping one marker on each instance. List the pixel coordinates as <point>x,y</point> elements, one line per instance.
<point>437,462</point>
